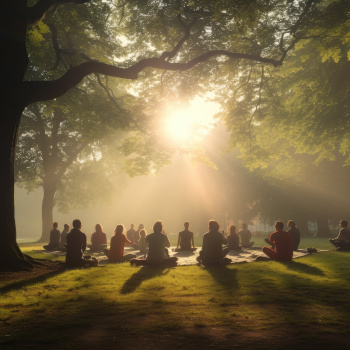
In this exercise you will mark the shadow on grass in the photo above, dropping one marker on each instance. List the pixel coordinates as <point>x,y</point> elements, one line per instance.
<point>143,274</point>
<point>302,268</point>
<point>226,277</point>
<point>27,282</point>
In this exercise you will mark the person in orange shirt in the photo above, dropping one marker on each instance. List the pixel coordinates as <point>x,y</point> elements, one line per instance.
<point>116,251</point>
<point>282,242</point>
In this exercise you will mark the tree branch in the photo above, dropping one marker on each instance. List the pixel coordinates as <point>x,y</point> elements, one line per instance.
<point>34,91</point>
<point>187,27</point>
<point>42,7</point>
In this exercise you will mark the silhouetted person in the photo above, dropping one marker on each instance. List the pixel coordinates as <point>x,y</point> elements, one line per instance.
<point>131,233</point>
<point>245,236</point>
<point>283,244</point>
<point>233,239</point>
<point>294,234</point>
<point>137,236</point>
<point>142,245</point>
<point>212,251</point>
<point>342,241</point>
<point>185,241</point>
<point>63,238</point>
<point>76,245</point>
<point>54,238</point>
<point>118,242</point>
<point>98,239</point>
<point>157,253</point>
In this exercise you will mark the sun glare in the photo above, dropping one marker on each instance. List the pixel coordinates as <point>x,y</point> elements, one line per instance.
<point>192,123</point>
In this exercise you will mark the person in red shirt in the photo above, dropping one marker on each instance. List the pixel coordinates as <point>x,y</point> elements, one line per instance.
<point>116,251</point>
<point>282,242</point>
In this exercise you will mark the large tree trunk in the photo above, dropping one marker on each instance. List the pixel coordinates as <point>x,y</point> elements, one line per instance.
<point>13,64</point>
<point>47,210</point>
<point>323,226</point>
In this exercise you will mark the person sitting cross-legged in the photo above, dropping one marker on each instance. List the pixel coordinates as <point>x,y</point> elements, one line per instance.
<point>118,241</point>
<point>76,245</point>
<point>233,239</point>
<point>245,236</point>
<point>158,243</point>
<point>98,239</point>
<point>282,242</point>
<point>185,241</point>
<point>54,238</point>
<point>294,234</point>
<point>212,252</point>
<point>342,241</point>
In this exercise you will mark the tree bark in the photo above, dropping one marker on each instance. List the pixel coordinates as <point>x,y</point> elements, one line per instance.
<point>323,226</point>
<point>13,64</point>
<point>48,204</point>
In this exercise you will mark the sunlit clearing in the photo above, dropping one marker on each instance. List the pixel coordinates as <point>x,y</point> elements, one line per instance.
<point>190,124</point>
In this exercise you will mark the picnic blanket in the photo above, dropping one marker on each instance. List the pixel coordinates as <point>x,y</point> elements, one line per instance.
<point>189,258</point>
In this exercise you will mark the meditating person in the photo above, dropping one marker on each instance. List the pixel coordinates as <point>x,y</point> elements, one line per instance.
<point>294,234</point>
<point>342,241</point>
<point>131,233</point>
<point>142,241</point>
<point>98,239</point>
<point>233,239</point>
<point>282,242</point>
<point>212,251</point>
<point>137,236</point>
<point>185,241</point>
<point>76,245</point>
<point>118,242</point>
<point>157,253</point>
<point>245,236</point>
<point>63,238</point>
<point>54,238</point>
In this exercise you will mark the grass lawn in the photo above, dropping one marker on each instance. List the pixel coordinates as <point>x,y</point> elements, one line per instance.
<point>261,305</point>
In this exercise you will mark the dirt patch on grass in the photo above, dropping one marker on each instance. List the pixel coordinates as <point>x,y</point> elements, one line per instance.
<point>42,269</point>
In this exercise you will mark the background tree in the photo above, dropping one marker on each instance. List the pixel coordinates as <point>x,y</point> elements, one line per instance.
<point>225,31</point>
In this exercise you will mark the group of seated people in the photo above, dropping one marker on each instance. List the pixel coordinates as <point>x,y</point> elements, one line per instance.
<point>215,245</point>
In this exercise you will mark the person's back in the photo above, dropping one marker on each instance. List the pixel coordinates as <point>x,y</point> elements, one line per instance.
<point>282,242</point>
<point>186,238</point>
<point>98,238</point>
<point>212,245</point>
<point>55,237</point>
<point>76,245</point>
<point>295,236</point>
<point>157,242</point>
<point>63,238</point>
<point>233,242</point>
<point>245,236</point>
<point>117,246</point>
<point>131,232</point>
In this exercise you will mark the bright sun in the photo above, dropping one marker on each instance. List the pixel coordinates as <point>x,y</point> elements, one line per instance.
<point>191,124</point>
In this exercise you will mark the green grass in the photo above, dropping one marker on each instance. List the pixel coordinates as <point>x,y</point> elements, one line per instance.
<point>310,293</point>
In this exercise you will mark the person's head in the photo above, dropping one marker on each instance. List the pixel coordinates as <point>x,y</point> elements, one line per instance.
<point>343,223</point>
<point>77,224</point>
<point>244,225</point>
<point>66,227</point>
<point>141,226</point>
<point>98,228</point>
<point>213,225</point>
<point>55,224</point>
<point>142,233</point>
<point>232,229</point>
<point>291,224</point>
<point>132,225</point>
<point>119,229</point>
<point>158,227</point>
<point>279,225</point>
<point>187,225</point>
